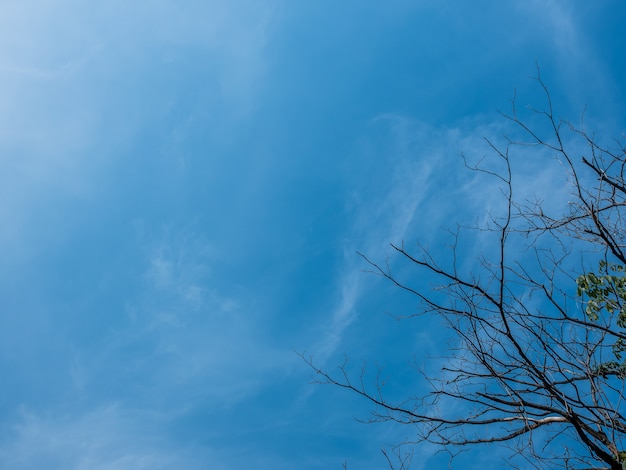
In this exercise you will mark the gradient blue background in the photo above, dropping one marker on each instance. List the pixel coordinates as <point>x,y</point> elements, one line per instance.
<point>183,188</point>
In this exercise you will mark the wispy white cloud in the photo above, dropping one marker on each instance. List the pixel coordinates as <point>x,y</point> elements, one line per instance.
<point>192,333</point>
<point>343,314</point>
<point>109,437</point>
<point>385,207</point>
<point>45,39</point>
<point>425,190</point>
<point>576,66</point>
<point>73,100</point>
<point>186,346</point>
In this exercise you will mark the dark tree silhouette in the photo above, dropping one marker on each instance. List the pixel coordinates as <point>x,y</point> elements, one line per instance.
<point>539,319</point>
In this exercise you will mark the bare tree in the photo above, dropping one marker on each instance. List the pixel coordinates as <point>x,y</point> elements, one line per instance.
<point>539,321</point>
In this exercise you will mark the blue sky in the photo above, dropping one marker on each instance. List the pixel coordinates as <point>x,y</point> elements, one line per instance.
<point>184,185</point>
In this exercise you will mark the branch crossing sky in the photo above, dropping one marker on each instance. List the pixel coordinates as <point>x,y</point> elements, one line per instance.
<point>184,186</point>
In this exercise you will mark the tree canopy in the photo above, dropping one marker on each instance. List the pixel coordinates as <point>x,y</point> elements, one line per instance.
<point>538,320</point>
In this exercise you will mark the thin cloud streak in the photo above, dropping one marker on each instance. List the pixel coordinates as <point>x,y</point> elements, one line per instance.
<point>109,437</point>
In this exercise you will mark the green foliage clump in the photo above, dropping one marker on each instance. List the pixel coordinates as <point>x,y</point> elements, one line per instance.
<point>606,292</point>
